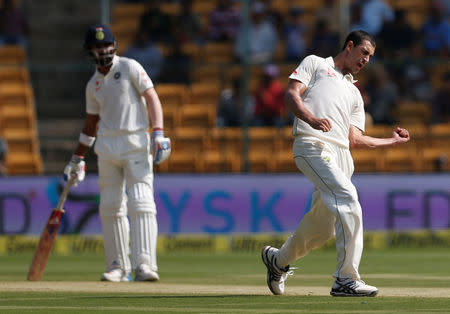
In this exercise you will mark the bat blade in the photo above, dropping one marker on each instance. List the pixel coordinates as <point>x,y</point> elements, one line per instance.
<point>45,246</point>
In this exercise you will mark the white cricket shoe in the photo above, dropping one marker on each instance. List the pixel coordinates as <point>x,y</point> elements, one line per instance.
<point>348,287</point>
<point>276,276</point>
<point>116,275</point>
<point>145,273</point>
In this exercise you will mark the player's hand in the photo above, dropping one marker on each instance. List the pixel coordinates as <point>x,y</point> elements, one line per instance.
<point>401,135</point>
<point>323,125</point>
<point>75,169</point>
<point>161,147</point>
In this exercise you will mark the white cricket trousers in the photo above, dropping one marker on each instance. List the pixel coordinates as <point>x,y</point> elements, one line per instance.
<point>125,168</point>
<point>335,209</point>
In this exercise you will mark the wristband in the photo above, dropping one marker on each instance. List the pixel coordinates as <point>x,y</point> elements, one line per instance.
<point>156,132</point>
<point>87,140</point>
<point>76,159</point>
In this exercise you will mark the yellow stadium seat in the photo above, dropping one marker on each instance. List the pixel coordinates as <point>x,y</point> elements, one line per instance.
<point>413,113</point>
<point>204,93</point>
<point>197,115</point>
<point>183,161</point>
<point>400,159</point>
<point>218,162</point>
<point>172,94</point>
<point>18,124</point>
<point>218,52</point>
<point>263,139</point>
<point>16,118</point>
<point>440,130</point>
<point>284,162</point>
<point>430,156</point>
<point>23,163</point>
<point>12,55</point>
<point>187,146</point>
<point>127,11</point>
<point>16,94</point>
<point>262,148</point>
<point>189,139</point>
<point>20,140</point>
<point>171,117</point>
<point>170,8</point>
<point>260,161</point>
<point>193,50</point>
<point>203,7</point>
<point>439,135</point>
<point>379,130</point>
<point>226,140</point>
<point>367,160</point>
<point>15,74</point>
<point>206,73</point>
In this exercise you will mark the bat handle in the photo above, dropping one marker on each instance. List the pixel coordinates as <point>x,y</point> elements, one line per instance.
<point>65,192</point>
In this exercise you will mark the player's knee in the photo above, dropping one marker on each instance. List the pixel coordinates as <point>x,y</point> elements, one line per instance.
<point>140,198</point>
<point>112,205</point>
<point>348,195</point>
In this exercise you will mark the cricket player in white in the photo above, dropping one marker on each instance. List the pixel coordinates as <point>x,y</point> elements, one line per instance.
<point>117,97</point>
<point>330,119</point>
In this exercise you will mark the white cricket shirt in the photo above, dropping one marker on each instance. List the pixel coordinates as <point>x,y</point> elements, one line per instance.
<point>116,97</point>
<point>329,94</point>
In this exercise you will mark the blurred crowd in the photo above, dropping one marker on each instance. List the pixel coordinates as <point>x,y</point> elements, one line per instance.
<point>401,70</point>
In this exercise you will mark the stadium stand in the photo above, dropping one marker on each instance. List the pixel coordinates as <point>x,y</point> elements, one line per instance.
<point>197,115</point>
<point>12,55</point>
<point>270,149</point>
<point>193,107</point>
<point>18,123</point>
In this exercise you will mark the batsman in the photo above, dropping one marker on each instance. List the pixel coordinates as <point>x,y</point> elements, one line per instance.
<point>120,104</point>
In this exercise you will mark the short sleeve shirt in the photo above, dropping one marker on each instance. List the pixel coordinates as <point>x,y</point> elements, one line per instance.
<point>117,97</point>
<point>329,94</point>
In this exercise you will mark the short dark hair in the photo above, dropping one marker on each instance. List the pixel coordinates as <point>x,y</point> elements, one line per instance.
<point>357,37</point>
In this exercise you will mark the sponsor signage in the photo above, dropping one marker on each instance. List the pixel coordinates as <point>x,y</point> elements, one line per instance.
<point>229,204</point>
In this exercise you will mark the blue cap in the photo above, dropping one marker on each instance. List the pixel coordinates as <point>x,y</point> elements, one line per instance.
<point>98,34</point>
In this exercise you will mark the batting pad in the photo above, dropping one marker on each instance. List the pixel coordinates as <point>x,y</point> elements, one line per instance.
<point>116,237</point>
<point>144,233</point>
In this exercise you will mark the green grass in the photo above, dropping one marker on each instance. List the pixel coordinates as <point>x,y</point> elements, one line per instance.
<point>386,269</point>
<point>96,302</point>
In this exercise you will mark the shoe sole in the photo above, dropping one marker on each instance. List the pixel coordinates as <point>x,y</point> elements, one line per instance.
<point>124,279</point>
<point>343,294</point>
<point>266,262</point>
<point>148,279</point>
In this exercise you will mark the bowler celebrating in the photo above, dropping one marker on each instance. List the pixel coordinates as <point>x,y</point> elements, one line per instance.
<point>329,119</point>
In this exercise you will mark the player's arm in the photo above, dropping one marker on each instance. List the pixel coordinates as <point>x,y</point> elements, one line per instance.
<point>76,167</point>
<point>294,103</point>
<point>359,140</point>
<point>87,135</point>
<point>155,113</point>
<point>161,146</point>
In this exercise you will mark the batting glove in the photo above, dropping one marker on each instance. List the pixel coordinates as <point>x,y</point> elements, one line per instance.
<point>161,147</point>
<point>75,169</point>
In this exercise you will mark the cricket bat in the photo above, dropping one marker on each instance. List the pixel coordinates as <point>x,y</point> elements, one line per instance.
<point>48,236</point>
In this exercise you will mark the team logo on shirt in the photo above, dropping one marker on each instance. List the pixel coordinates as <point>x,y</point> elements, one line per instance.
<point>330,72</point>
<point>117,75</point>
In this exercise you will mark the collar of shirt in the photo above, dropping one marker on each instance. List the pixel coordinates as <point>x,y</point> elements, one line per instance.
<point>347,76</point>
